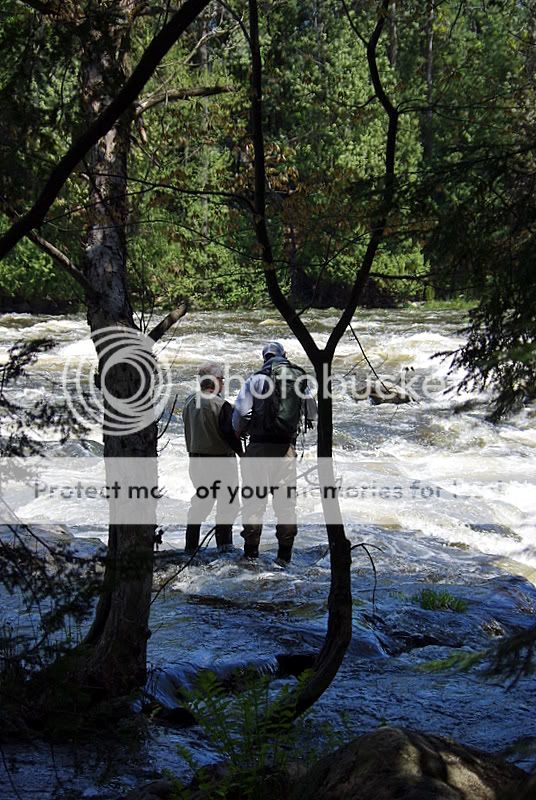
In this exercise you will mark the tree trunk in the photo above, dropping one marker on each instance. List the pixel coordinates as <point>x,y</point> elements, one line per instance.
<point>300,286</point>
<point>339,631</point>
<point>340,598</point>
<point>428,132</point>
<point>116,658</point>
<point>392,49</point>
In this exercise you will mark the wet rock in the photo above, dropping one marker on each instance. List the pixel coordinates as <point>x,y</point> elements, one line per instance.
<point>50,539</point>
<point>493,628</point>
<point>468,405</point>
<point>397,763</point>
<point>402,633</point>
<point>35,535</point>
<point>379,392</point>
<point>498,530</point>
<point>164,691</point>
<point>156,790</point>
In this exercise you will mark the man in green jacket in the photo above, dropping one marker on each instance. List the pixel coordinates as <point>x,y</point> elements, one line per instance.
<point>211,445</point>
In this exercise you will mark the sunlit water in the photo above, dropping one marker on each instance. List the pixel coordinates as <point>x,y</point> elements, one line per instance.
<point>444,498</point>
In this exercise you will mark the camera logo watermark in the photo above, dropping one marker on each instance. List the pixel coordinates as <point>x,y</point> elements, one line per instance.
<point>126,390</point>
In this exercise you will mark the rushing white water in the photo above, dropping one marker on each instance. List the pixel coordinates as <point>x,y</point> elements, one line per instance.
<point>448,497</point>
<point>419,466</point>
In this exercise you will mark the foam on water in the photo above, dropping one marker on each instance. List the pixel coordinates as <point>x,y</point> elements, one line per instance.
<point>470,472</point>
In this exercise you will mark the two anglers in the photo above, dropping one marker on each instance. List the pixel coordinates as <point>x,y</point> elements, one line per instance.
<point>271,406</point>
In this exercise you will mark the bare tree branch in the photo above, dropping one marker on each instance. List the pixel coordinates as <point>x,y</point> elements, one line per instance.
<point>164,325</point>
<point>57,255</point>
<point>339,630</point>
<point>259,214</point>
<point>168,96</point>
<point>385,277</point>
<point>205,38</point>
<point>63,261</point>
<point>237,19</point>
<point>352,24</point>
<point>160,45</point>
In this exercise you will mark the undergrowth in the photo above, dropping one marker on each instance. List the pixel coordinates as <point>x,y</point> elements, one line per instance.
<point>258,747</point>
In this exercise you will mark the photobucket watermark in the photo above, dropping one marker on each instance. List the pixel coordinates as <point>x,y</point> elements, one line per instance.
<point>405,386</point>
<point>119,383</point>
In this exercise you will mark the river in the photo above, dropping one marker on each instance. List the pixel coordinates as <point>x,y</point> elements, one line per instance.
<point>445,499</point>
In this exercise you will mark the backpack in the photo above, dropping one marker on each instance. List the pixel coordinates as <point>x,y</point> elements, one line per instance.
<point>276,417</point>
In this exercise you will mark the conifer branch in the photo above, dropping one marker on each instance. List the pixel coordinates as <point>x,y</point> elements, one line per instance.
<point>151,58</point>
<point>168,96</point>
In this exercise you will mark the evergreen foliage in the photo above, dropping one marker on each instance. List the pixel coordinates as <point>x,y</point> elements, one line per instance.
<point>462,78</point>
<point>56,588</point>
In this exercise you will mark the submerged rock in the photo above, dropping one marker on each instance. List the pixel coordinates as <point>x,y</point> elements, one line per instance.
<point>379,392</point>
<point>498,530</point>
<point>395,763</point>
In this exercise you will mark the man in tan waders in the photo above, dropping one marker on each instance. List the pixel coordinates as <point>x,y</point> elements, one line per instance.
<point>211,445</point>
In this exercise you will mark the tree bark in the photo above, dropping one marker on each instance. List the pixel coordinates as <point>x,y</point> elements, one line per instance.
<point>428,131</point>
<point>116,657</point>
<point>339,629</point>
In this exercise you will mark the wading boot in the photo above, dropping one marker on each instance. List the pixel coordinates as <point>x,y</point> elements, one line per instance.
<point>251,550</point>
<point>192,539</point>
<point>285,538</point>
<point>224,538</point>
<point>252,536</point>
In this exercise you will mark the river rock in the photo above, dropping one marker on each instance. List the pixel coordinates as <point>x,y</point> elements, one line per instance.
<point>379,392</point>
<point>498,530</point>
<point>393,763</point>
<point>45,541</point>
<point>156,790</point>
<point>37,537</point>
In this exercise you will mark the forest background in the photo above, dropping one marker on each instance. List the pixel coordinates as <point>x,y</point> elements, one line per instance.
<point>461,75</point>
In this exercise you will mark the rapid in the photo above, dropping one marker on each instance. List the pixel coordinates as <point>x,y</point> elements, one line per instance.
<point>444,500</point>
